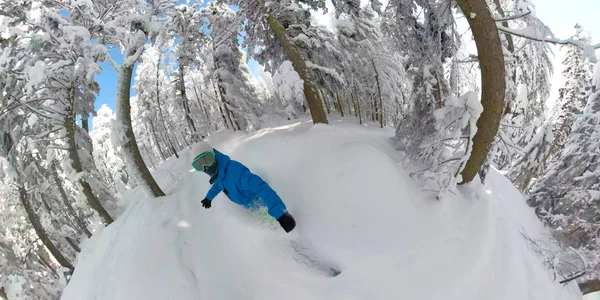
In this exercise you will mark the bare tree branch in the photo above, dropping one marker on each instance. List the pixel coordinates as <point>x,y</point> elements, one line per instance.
<point>508,18</point>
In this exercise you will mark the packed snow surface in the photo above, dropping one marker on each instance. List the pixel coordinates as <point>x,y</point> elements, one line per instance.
<point>353,203</point>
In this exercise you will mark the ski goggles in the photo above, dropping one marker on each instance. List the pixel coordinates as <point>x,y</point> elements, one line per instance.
<point>203,161</point>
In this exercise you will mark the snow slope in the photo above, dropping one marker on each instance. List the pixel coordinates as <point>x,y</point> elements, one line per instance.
<point>352,202</point>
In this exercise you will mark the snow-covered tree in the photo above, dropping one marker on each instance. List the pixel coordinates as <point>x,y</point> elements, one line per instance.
<point>567,196</point>
<point>108,158</point>
<point>130,28</point>
<point>372,70</point>
<point>154,93</point>
<point>427,43</point>
<point>572,97</point>
<point>533,162</point>
<point>231,72</point>
<point>269,26</point>
<point>186,26</point>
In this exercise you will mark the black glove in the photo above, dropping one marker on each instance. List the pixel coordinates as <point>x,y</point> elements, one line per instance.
<point>287,222</point>
<point>206,203</point>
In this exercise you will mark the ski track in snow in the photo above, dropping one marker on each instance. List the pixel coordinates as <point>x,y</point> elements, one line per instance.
<point>355,207</point>
<point>181,243</point>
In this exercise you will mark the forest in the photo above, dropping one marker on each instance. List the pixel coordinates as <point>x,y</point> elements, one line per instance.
<point>464,84</point>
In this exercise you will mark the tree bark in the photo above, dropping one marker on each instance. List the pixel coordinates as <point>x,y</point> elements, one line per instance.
<point>73,244</point>
<point>493,84</point>
<point>157,140</point>
<point>186,102</point>
<point>337,94</point>
<point>311,94</point>
<point>325,101</point>
<point>379,94</point>
<point>358,112</point>
<point>85,124</point>
<point>70,209</point>
<point>43,258</point>
<point>201,104</point>
<point>91,198</point>
<point>589,286</point>
<point>218,97</point>
<point>41,232</point>
<point>134,159</point>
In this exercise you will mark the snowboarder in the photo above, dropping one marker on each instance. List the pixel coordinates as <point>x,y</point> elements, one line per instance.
<point>239,184</point>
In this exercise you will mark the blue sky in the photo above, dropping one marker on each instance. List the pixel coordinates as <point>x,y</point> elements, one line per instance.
<point>559,15</point>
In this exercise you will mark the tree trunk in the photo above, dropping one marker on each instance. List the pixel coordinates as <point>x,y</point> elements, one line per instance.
<point>156,140</point>
<point>379,94</point>
<point>160,114</point>
<point>41,232</point>
<point>325,101</point>
<point>43,258</point>
<point>186,102</point>
<point>72,244</point>
<point>358,112</point>
<point>337,95</point>
<point>85,124</point>
<point>70,209</point>
<point>133,156</point>
<point>589,286</point>
<point>217,96</point>
<point>228,113</point>
<point>493,84</point>
<point>351,96</point>
<point>310,91</point>
<point>91,198</point>
<point>201,103</point>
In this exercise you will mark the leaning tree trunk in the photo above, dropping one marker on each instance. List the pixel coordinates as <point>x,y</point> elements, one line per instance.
<point>589,286</point>
<point>41,232</point>
<point>493,84</point>
<point>186,103</point>
<point>130,147</point>
<point>201,104</point>
<point>358,112</point>
<point>63,194</point>
<point>337,94</point>
<point>90,196</point>
<point>217,98</point>
<point>379,94</point>
<point>163,156</point>
<point>313,99</point>
<point>85,124</point>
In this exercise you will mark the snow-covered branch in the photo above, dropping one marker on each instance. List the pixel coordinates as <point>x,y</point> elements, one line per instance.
<point>589,49</point>
<point>508,18</point>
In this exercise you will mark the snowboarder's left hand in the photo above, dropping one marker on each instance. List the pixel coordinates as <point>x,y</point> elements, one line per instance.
<point>205,203</point>
<point>287,222</point>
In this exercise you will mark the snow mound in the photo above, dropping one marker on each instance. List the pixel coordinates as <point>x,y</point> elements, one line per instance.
<point>353,203</point>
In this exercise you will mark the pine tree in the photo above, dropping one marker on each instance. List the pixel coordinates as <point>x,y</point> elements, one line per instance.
<point>269,27</point>
<point>567,196</point>
<point>572,96</point>
<point>231,72</point>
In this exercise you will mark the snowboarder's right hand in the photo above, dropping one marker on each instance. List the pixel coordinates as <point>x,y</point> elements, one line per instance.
<point>206,203</point>
<point>287,222</point>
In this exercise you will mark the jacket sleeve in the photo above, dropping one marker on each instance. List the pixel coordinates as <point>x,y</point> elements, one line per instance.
<point>214,190</point>
<point>255,184</point>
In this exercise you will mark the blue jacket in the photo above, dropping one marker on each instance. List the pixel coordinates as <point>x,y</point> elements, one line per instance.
<point>243,187</point>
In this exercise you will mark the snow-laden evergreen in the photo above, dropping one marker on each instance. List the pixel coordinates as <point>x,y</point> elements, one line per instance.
<point>567,195</point>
